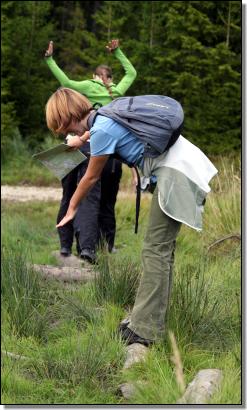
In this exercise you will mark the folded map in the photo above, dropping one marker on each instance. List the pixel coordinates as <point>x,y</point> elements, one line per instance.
<point>61,159</point>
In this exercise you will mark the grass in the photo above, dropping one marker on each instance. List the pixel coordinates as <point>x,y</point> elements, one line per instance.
<point>69,333</point>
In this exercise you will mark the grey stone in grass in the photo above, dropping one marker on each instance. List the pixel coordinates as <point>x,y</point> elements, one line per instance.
<point>72,260</point>
<point>202,387</point>
<point>66,273</point>
<point>136,353</point>
<point>128,390</point>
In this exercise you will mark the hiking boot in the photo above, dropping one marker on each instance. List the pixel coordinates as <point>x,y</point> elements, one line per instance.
<point>89,255</point>
<point>131,337</point>
<point>65,251</point>
<point>124,324</point>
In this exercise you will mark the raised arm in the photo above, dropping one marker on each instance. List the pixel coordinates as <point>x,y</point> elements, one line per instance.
<point>80,86</point>
<point>130,72</point>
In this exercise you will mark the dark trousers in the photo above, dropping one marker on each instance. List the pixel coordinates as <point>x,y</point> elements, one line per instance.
<point>95,218</point>
<point>110,180</point>
<point>85,223</point>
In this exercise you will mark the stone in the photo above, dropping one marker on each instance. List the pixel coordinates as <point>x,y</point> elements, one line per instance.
<point>128,390</point>
<point>66,273</point>
<point>72,260</point>
<point>136,353</point>
<point>202,387</point>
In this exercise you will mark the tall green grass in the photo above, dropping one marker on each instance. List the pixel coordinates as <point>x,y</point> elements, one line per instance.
<point>117,281</point>
<point>22,294</point>
<point>223,206</point>
<point>69,333</point>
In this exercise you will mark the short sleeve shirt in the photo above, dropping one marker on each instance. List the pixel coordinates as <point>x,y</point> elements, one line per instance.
<point>109,137</point>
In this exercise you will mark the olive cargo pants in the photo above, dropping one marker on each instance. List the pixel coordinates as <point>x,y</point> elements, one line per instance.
<point>148,315</point>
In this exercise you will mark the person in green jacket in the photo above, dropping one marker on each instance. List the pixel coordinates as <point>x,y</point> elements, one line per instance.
<point>100,90</point>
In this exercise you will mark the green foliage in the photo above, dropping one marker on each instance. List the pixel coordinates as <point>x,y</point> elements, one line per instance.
<point>196,306</point>
<point>22,293</point>
<point>74,353</point>
<point>117,281</point>
<point>188,50</point>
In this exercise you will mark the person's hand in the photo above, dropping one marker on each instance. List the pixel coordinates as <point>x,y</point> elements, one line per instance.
<point>75,141</point>
<point>49,51</point>
<point>67,218</point>
<point>112,45</point>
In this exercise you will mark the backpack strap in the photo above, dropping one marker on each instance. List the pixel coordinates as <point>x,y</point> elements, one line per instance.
<point>174,136</point>
<point>91,117</point>
<point>138,198</point>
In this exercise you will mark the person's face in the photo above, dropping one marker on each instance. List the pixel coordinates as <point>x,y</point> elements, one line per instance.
<point>104,76</point>
<point>76,128</point>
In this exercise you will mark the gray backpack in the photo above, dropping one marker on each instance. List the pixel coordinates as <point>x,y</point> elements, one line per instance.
<point>155,119</point>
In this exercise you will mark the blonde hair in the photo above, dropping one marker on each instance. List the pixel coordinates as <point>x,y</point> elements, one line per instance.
<point>64,106</point>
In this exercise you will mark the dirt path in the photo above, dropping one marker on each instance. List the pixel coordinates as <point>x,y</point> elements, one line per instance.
<point>34,193</point>
<point>30,193</point>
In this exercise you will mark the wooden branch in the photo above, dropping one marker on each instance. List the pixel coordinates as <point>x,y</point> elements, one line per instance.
<point>236,236</point>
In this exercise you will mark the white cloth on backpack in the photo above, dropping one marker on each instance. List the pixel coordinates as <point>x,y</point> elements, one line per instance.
<point>183,174</point>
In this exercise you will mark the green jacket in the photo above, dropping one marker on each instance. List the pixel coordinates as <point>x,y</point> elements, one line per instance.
<point>95,90</point>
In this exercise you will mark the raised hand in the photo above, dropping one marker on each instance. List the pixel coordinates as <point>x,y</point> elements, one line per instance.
<point>49,51</point>
<point>112,45</point>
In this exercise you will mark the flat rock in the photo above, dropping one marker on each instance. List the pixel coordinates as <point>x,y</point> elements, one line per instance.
<point>136,353</point>
<point>202,387</point>
<point>128,390</point>
<point>72,260</point>
<point>66,273</point>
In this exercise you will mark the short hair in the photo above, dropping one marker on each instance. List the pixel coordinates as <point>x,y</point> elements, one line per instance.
<point>64,106</point>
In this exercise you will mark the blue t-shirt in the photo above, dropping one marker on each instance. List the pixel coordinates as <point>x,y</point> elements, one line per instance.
<point>109,137</point>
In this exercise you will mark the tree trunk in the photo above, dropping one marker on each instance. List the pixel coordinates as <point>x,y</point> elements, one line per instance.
<point>109,21</point>
<point>228,25</point>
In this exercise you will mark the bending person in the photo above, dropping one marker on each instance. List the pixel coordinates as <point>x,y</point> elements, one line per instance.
<point>99,90</point>
<point>68,111</point>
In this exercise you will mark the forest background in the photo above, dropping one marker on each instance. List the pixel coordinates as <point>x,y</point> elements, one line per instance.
<point>188,50</point>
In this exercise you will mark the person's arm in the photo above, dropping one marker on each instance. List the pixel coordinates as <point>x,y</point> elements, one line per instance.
<point>130,72</point>
<point>93,173</point>
<point>80,86</point>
